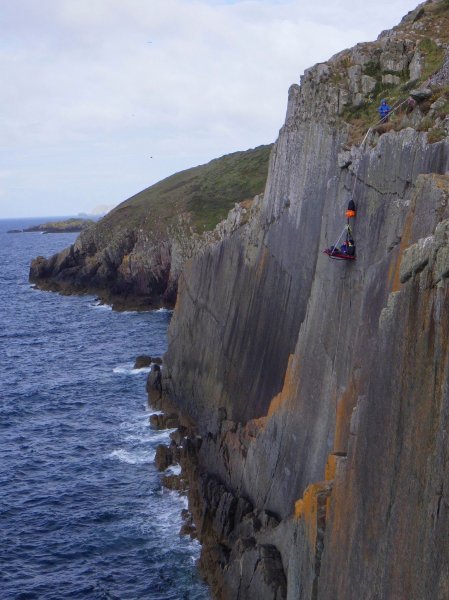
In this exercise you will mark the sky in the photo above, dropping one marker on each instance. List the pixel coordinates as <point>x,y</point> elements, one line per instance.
<point>102,98</point>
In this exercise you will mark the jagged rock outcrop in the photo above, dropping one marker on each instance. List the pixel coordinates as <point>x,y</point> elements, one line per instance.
<point>319,389</point>
<point>133,256</point>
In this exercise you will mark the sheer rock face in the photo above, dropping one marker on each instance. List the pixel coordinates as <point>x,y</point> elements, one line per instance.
<point>320,388</point>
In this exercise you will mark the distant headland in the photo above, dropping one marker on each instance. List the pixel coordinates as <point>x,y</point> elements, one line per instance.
<point>73,225</point>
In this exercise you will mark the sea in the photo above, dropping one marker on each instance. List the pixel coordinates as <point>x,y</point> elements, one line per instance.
<point>83,513</point>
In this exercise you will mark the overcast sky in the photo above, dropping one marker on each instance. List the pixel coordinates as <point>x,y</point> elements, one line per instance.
<point>102,98</point>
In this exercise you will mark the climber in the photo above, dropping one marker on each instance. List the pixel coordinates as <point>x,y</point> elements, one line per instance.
<point>350,247</point>
<point>345,252</point>
<point>347,249</point>
<point>384,110</point>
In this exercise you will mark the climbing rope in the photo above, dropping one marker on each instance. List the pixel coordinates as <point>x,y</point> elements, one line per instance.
<point>346,228</point>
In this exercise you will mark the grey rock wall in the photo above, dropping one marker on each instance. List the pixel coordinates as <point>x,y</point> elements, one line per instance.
<point>319,388</point>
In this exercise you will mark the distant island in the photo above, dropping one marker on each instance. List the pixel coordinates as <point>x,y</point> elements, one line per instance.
<point>73,225</point>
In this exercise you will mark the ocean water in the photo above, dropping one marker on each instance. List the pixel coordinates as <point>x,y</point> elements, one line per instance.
<point>82,511</point>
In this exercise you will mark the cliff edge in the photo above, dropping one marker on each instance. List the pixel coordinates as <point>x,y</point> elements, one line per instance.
<point>315,392</point>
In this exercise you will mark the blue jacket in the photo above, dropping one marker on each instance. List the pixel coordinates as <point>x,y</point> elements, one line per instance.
<point>384,109</point>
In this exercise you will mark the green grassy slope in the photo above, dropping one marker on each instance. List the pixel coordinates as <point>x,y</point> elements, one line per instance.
<point>203,195</point>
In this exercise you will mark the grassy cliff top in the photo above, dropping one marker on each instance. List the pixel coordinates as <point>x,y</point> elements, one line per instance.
<point>201,196</point>
<point>407,57</point>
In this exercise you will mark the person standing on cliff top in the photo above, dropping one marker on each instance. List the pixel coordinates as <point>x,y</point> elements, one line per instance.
<point>384,110</point>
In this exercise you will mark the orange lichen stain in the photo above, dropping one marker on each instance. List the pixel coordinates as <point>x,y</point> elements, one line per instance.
<point>125,264</point>
<point>247,203</point>
<point>307,508</point>
<point>345,405</point>
<point>395,266</point>
<point>442,181</point>
<point>331,467</point>
<point>253,427</point>
<point>290,385</point>
<point>275,404</point>
<point>299,508</point>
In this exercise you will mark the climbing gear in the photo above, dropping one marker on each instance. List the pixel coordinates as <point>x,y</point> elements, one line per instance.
<point>336,253</point>
<point>350,212</point>
<point>348,253</point>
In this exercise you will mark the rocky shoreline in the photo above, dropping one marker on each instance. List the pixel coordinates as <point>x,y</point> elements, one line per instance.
<point>148,280</point>
<point>229,527</point>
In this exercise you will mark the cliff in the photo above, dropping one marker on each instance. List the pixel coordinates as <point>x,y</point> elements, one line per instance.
<point>314,393</point>
<point>133,256</point>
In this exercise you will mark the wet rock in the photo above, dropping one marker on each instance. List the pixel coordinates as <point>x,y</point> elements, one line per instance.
<point>142,361</point>
<point>164,421</point>
<point>188,527</point>
<point>179,435</point>
<point>155,387</point>
<point>155,422</point>
<point>174,482</point>
<point>166,456</point>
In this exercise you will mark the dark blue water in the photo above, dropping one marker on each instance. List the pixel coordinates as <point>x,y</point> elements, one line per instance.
<point>82,511</point>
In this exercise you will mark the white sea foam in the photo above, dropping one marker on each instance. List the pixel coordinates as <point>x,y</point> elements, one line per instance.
<point>161,436</point>
<point>174,470</point>
<point>163,310</point>
<point>128,369</point>
<point>132,458</point>
<point>135,437</point>
<point>100,305</point>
